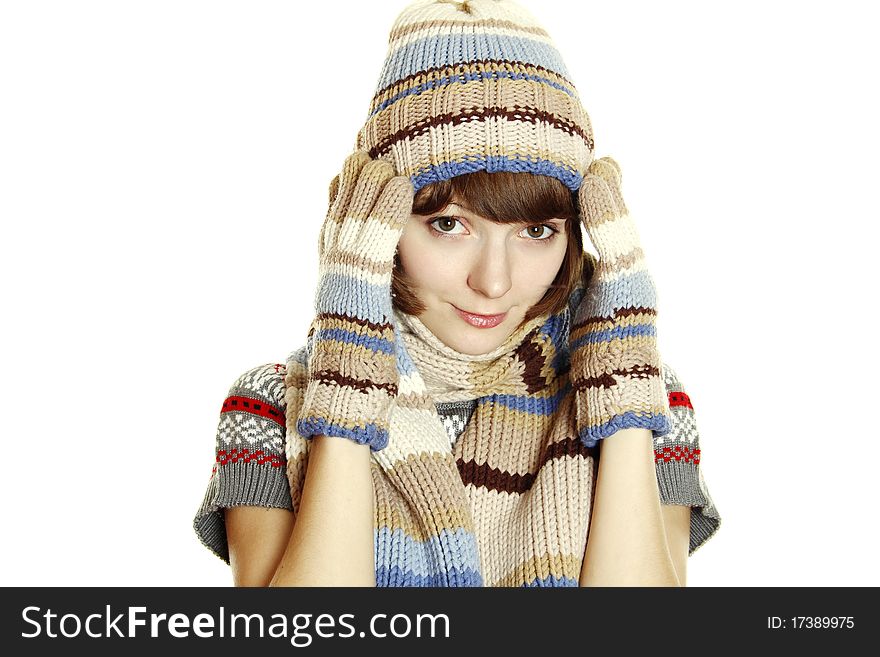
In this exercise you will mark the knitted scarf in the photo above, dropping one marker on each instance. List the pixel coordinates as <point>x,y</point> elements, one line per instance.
<point>509,504</point>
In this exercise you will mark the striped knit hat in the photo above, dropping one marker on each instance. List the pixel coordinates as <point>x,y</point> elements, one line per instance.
<point>477,85</point>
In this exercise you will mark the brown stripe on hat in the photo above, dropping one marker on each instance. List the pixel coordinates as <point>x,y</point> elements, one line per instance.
<point>475,67</point>
<point>530,115</point>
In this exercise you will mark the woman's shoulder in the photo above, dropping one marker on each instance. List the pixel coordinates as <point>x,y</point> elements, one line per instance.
<point>267,382</point>
<point>264,382</point>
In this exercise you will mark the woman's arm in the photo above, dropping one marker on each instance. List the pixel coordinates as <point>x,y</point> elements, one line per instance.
<point>257,537</point>
<point>627,543</point>
<point>331,541</point>
<point>677,522</point>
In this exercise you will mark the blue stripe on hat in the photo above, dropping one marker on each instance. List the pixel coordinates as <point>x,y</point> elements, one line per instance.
<point>448,50</point>
<point>492,163</point>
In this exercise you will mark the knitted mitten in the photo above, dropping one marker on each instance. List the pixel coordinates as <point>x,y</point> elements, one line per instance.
<point>615,364</point>
<point>352,342</point>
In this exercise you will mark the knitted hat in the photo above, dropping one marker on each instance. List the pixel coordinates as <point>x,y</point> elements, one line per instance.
<point>477,85</point>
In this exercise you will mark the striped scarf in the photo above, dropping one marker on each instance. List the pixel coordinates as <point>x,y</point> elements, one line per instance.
<point>509,504</point>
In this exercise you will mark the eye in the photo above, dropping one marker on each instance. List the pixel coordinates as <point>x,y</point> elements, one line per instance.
<point>444,225</point>
<point>536,233</point>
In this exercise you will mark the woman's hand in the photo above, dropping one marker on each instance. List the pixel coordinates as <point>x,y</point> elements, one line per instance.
<point>615,364</point>
<point>352,346</point>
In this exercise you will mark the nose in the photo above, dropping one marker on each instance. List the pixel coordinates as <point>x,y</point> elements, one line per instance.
<point>490,272</point>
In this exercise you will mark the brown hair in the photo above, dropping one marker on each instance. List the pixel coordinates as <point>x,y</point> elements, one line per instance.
<point>504,197</point>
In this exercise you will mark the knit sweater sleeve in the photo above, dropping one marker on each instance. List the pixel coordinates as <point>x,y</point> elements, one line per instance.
<point>250,466</point>
<point>677,458</point>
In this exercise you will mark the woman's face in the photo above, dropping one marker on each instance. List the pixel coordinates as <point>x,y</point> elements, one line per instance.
<point>459,262</point>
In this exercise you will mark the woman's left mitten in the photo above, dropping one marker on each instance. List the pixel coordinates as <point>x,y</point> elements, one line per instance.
<point>615,363</point>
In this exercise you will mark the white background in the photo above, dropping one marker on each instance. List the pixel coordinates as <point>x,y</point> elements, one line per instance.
<point>163,177</point>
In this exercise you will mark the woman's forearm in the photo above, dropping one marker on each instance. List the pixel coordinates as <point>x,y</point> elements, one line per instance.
<point>626,545</point>
<point>332,539</point>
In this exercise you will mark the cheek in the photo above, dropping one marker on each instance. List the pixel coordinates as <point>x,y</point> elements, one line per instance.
<point>431,269</point>
<point>539,270</point>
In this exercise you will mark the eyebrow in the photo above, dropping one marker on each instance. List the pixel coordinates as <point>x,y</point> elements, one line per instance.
<point>458,204</point>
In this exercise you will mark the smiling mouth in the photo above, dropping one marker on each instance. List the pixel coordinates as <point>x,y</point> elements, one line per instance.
<point>480,321</point>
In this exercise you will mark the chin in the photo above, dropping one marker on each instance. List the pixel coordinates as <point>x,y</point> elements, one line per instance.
<point>469,349</point>
<point>475,347</point>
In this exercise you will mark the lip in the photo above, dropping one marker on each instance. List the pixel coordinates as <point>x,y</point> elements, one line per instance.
<point>480,321</point>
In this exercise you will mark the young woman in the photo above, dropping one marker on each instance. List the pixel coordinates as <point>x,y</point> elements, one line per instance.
<point>469,362</point>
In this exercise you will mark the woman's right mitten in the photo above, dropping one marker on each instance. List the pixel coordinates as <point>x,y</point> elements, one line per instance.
<point>352,342</point>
